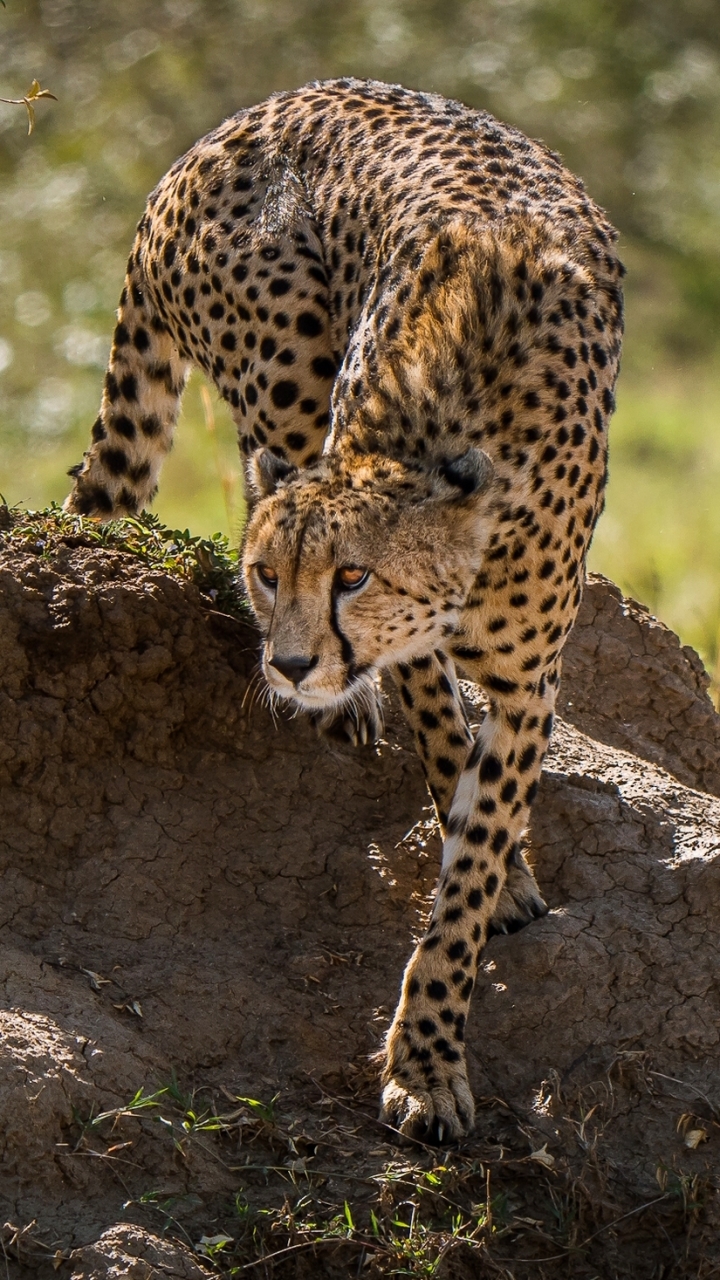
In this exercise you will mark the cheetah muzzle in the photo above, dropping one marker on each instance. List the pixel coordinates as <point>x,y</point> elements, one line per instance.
<point>415,315</point>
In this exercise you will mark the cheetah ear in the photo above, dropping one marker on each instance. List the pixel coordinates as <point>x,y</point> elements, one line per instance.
<point>267,471</point>
<point>467,475</point>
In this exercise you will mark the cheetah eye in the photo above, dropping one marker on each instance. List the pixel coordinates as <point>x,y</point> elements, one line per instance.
<point>351,578</point>
<point>266,575</point>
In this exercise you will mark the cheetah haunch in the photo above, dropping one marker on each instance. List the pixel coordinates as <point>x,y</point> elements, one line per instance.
<point>415,314</point>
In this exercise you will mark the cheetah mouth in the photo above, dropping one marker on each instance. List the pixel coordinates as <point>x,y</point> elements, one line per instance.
<point>360,696</point>
<point>314,700</point>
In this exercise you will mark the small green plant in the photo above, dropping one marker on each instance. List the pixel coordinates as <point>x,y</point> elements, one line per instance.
<point>208,562</point>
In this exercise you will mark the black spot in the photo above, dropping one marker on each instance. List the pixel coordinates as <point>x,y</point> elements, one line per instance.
<point>296,440</point>
<point>279,287</point>
<point>499,840</point>
<point>268,347</point>
<point>446,767</point>
<point>491,885</point>
<point>436,990</point>
<point>477,835</point>
<point>490,768</point>
<point>500,685</point>
<point>456,950</point>
<point>284,394</point>
<point>308,324</point>
<point>527,759</point>
<point>115,460</point>
<point>323,367</point>
<point>127,499</point>
<point>474,898</point>
<point>141,339</point>
<point>427,1027</point>
<point>128,387</point>
<point>150,425</point>
<point>124,426</point>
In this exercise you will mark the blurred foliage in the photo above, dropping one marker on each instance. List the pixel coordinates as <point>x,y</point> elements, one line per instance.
<point>627,90</point>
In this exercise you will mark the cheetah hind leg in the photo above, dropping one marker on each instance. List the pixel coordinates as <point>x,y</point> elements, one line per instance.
<point>520,901</point>
<point>358,721</point>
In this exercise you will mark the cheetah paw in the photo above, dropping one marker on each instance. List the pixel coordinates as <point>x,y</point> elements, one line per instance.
<point>441,1114</point>
<point>520,901</point>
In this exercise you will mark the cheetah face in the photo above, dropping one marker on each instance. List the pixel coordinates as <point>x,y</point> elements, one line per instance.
<point>357,563</point>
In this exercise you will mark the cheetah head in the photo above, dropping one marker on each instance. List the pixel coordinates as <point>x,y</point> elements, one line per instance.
<point>358,562</point>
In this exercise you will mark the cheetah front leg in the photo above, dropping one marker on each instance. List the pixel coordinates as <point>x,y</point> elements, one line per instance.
<point>434,709</point>
<point>426,1092</point>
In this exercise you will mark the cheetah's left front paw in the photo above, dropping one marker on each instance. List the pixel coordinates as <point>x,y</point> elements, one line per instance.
<point>441,1114</point>
<point>430,1102</point>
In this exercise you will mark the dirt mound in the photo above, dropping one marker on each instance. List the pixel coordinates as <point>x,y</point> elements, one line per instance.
<point>203,910</point>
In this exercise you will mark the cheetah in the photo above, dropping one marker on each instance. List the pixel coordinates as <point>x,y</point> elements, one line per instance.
<point>415,315</point>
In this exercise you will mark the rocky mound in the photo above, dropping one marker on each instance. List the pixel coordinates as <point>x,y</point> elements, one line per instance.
<point>205,918</point>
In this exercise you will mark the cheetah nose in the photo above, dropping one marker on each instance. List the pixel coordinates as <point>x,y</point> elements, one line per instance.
<point>294,668</point>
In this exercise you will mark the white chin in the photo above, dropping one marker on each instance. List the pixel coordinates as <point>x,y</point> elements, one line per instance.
<point>308,701</point>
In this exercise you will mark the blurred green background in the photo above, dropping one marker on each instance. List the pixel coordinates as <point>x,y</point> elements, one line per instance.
<point>627,90</point>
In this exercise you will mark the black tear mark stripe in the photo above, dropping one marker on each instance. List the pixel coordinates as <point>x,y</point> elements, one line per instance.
<point>346,649</point>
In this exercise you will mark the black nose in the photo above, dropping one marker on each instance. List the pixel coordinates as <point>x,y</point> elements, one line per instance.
<point>294,668</point>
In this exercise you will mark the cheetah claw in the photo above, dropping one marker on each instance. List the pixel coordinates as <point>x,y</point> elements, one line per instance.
<point>359,723</point>
<point>441,1114</point>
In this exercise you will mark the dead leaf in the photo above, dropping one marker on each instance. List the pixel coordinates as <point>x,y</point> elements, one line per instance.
<point>542,1155</point>
<point>694,1137</point>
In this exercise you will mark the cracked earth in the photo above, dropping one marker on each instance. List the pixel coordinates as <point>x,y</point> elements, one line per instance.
<point>192,892</point>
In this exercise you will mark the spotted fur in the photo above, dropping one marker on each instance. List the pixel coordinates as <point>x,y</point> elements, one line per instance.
<point>415,315</point>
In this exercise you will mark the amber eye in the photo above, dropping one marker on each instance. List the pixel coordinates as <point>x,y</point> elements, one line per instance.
<point>349,577</point>
<point>268,575</point>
